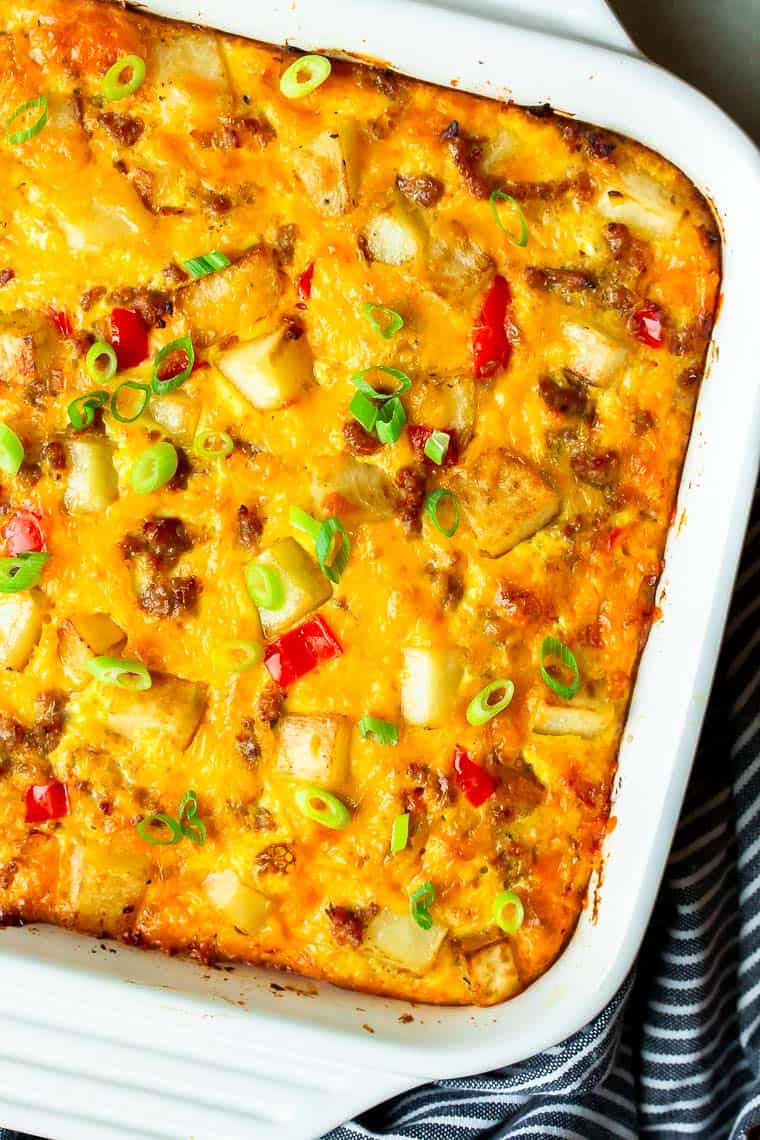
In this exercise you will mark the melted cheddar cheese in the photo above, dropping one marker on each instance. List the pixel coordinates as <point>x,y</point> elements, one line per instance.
<point>563,373</point>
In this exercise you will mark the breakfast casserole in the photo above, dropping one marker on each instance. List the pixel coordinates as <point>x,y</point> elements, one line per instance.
<point>341,424</point>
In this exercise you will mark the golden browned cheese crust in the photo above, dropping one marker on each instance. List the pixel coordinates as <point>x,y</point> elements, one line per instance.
<point>564,456</point>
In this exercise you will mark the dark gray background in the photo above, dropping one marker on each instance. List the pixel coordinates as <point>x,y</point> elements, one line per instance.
<point>714,44</point>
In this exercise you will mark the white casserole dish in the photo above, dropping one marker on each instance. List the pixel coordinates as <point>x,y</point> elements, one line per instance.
<point>108,1042</point>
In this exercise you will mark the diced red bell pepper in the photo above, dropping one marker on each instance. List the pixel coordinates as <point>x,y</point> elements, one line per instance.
<point>300,650</point>
<point>129,337</point>
<point>46,801</point>
<point>23,533</point>
<point>614,536</point>
<point>475,782</point>
<point>418,437</point>
<point>647,325</point>
<point>303,282</point>
<point>62,321</point>
<point>491,346</point>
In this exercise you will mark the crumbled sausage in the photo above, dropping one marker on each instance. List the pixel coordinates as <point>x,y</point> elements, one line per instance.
<point>599,469</point>
<point>221,138</point>
<point>166,598</point>
<point>642,421</point>
<point>411,482</point>
<point>433,788</point>
<point>53,454</point>
<point>423,189</point>
<point>166,539</point>
<point>285,241</point>
<point>47,729</point>
<point>247,741</point>
<point>519,603</point>
<point>566,282</point>
<point>123,129</point>
<point>249,525</point>
<point>467,152</point>
<point>178,481</point>
<point>583,136</point>
<point>689,378</point>
<point>620,298</point>
<point>692,337</point>
<point>174,274</point>
<point>276,859</point>
<point>263,820</point>
<point>359,441</point>
<point>269,705</point>
<point>549,191</point>
<point>566,399</point>
<point>349,925</point>
<point>92,296</point>
<point>152,304</point>
<point>452,590</point>
<point>6,275</point>
<point>218,203</point>
<point>29,474</point>
<point>13,736</point>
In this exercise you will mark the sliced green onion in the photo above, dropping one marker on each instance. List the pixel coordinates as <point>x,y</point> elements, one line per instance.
<point>93,362</point>
<point>11,450</point>
<point>113,88</point>
<point>364,410</point>
<point>323,807</point>
<point>500,196</point>
<point>118,671</point>
<point>482,708</point>
<point>192,828</point>
<point>436,446</point>
<point>154,468</point>
<point>420,902</point>
<point>167,838</point>
<point>393,322</point>
<point>142,404</point>
<point>208,263</point>
<point>304,75</point>
<point>508,912</point>
<point>13,138</point>
<point>237,656</point>
<point>382,731</point>
<point>213,444</point>
<point>81,412</point>
<point>432,506</point>
<point>400,833</point>
<point>21,572</point>
<point>358,381</point>
<point>332,548</point>
<point>553,647</point>
<point>391,419</point>
<point>182,344</point>
<point>265,586</point>
<point>302,521</point>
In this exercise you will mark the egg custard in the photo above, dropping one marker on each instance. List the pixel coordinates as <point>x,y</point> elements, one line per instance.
<point>341,424</point>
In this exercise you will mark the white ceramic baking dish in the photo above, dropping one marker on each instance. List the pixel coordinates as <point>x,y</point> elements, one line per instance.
<point>106,1042</point>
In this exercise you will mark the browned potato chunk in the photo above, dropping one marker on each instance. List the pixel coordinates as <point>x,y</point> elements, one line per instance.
<point>27,343</point>
<point>269,372</point>
<point>493,973</point>
<point>505,500</point>
<point>20,627</point>
<point>314,749</point>
<point>458,264</point>
<point>85,636</point>
<point>398,939</point>
<point>364,486</point>
<point>234,300</point>
<point>572,720</point>
<point>329,169</point>
<point>104,881</point>
<point>171,709</point>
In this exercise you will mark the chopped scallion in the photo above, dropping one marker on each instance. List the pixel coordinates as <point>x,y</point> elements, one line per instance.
<point>323,807</point>
<point>508,912</point>
<point>420,902</point>
<point>265,586</point>
<point>553,647</point>
<point>11,451</point>
<point>391,420</point>
<point>101,362</point>
<point>191,827</point>
<point>436,446</point>
<point>207,263</point>
<point>169,835</point>
<point>21,572</point>
<point>13,138</point>
<point>433,504</point>
<point>483,707</point>
<point>381,731</point>
<point>390,321</point>
<point>138,408</point>
<point>358,380</point>
<point>113,87</point>
<point>81,412</point>
<point>304,75</point>
<point>332,548</point>
<point>500,196</point>
<point>167,375</point>
<point>302,521</point>
<point>117,671</point>
<point>400,833</point>
<point>213,444</point>
<point>364,410</point>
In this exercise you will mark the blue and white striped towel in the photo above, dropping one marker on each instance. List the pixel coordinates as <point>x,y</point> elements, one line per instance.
<point>677,1052</point>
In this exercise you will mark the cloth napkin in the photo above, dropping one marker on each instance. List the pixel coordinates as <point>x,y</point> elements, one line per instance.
<point>677,1052</point>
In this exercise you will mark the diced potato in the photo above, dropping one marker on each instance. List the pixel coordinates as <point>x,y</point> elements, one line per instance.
<point>190,72</point>
<point>20,627</point>
<point>496,152</point>
<point>395,236</point>
<point>364,486</point>
<point>593,355</point>
<point>504,499</point>
<point>493,973</point>
<point>102,883</point>
<point>572,720</point>
<point>177,414</point>
<point>234,300</point>
<point>242,906</point>
<point>306,587</point>
<point>458,265</point>
<point>270,372</point>
<point>444,402</point>
<point>398,938</point>
<point>646,206</point>
<point>92,481</point>
<point>329,168</point>
<point>83,637</point>
<point>170,710</point>
<point>26,345</point>
<point>314,749</point>
<point>429,684</point>
<point>90,225</point>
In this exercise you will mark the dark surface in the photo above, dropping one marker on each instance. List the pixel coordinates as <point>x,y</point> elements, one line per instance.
<point>714,44</point>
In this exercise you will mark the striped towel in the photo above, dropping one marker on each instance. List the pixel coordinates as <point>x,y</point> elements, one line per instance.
<point>677,1052</point>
